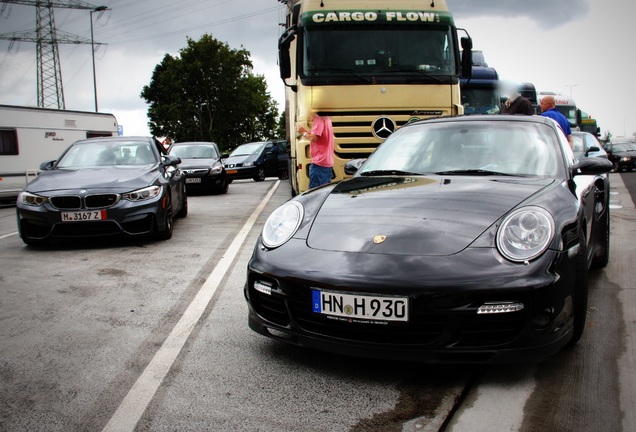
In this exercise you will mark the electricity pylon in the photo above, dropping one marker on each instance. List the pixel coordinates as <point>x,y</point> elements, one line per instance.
<point>46,36</point>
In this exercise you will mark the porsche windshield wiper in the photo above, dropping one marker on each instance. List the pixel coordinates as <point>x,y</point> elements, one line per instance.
<point>473,172</point>
<point>388,172</point>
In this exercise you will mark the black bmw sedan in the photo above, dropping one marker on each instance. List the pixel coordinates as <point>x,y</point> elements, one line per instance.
<point>202,165</point>
<point>460,240</point>
<point>102,187</point>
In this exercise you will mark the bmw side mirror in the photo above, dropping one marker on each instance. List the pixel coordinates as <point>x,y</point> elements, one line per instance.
<point>47,166</point>
<point>171,160</point>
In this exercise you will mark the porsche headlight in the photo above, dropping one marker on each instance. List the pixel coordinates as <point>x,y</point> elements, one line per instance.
<point>282,224</point>
<point>525,234</point>
<point>143,194</point>
<point>30,199</point>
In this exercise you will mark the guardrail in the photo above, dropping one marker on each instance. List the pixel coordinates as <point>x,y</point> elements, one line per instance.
<point>12,182</point>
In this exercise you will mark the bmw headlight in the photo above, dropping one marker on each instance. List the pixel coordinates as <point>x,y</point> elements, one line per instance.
<point>143,194</point>
<point>248,164</point>
<point>525,234</point>
<point>282,224</point>
<point>30,199</point>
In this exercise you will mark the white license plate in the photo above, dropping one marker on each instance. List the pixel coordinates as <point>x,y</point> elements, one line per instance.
<point>193,180</point>
<point>83,216</point>
<point>363,307</point>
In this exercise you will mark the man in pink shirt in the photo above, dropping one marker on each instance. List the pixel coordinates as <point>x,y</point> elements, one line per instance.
<point>322,140</point>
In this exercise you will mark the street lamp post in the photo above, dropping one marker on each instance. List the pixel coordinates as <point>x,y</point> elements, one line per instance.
<point>571,87</point>
<point>97,9</point>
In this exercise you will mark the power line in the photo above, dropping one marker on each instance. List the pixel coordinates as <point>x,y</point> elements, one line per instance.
<point>199,27</point>
<point>50,89</point>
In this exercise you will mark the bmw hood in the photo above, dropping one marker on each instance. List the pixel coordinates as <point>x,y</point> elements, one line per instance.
<point>113,179</point>
<point>415,216</point>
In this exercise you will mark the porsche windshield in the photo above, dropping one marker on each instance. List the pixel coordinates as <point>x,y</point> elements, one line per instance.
<point>468,148</point>
<point>379,52</point>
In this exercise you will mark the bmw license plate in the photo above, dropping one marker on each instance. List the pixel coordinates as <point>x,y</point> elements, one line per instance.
<point>360,307</point>
<point>193,180</point>
<point>83,216</point>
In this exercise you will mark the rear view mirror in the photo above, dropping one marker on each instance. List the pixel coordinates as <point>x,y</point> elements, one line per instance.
<point>467,57</point>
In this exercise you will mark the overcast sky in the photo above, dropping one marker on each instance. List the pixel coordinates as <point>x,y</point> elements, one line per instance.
<point>578,47</point>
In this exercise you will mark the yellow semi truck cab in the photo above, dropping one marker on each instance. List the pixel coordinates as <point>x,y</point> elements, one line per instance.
<point>371,66</point>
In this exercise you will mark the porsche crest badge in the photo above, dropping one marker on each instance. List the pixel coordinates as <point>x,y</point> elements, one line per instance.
<point>379,239</point>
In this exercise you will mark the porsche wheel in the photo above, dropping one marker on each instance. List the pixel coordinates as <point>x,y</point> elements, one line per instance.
<point>601,260</point>
<point>579,303</point>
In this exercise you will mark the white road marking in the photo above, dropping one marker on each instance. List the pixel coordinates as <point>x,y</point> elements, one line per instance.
<point>2,237</point>
<point>136,401</point>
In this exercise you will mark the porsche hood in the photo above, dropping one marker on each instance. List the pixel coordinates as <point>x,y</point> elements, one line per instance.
<point>415,216</point>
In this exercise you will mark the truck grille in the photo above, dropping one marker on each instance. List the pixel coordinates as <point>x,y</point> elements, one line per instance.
<point>354,131</point>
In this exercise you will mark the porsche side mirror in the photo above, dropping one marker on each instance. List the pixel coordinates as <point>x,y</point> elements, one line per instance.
<point>592,166</point>
<point>592,149</point>
<point>353,166</point>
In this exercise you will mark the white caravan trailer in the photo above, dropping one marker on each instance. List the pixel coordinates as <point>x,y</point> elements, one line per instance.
<point>30,136</point>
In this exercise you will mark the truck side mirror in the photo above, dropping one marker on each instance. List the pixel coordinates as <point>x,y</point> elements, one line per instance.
<point>578,117</point>
<point>284,61</point>
<point>467,57</point>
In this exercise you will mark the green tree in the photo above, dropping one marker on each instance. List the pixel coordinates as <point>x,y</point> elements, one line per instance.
<point>209,93</point>
<point>281,127</point>
<point>606,138</point>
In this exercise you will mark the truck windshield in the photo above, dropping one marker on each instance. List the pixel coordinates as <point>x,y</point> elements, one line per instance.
<point>569,111</point>
<point>382,53</point>
<point>480,100</point>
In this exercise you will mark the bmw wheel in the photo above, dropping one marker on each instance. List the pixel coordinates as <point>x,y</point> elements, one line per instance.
<point>165,233</point>
<point>183,211</point>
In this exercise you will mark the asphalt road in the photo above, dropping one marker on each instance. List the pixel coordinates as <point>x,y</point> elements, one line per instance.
<point>153,336</point>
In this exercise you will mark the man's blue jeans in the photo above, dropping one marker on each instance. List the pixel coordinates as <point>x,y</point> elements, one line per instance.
<point>319,175</point>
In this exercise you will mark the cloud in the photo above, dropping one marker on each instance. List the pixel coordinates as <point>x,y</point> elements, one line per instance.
<point>546,13</point>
